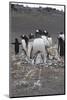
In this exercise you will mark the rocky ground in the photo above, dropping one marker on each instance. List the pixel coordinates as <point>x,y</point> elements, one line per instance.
<point>27,79</point>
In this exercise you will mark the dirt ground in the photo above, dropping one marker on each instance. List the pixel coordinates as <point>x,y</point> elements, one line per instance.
<point>31,80</point>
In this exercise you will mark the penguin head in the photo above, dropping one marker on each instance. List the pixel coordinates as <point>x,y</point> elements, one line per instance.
<point>16,40</point>
<point>61,33</point>
<point>37,30</point>
<point>45,33</point>
<point>22,36</point>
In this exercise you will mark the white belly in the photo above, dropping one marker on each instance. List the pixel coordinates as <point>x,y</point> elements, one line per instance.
<point>29,48</point>
<point>24,44</point>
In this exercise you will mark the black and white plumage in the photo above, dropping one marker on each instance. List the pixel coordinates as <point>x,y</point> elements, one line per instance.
<point>24,42</point>
<point>45,33</point>
<point>16,43</point>
<point>31,36</point>
<point>31,48</point>
<point>61,44</point>
<point>38,33</point>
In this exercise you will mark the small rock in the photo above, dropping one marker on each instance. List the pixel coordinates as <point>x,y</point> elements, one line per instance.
<point>56,77</point>
<point>21,83</point>
<point>37,84</point>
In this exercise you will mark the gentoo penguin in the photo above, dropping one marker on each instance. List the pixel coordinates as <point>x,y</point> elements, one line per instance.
<point>61,44</point>
<point>16,46</point>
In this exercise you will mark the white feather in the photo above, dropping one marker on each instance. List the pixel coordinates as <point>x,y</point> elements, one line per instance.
<point>62,36</point>
<point>24,44</point>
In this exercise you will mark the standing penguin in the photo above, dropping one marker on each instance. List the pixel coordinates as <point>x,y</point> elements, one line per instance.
<point>45,33</point>
<point>24,41</point>
<point>16,46</point>
<point>61,44</point>
<point>31,36</point>
<point>38,33</point>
